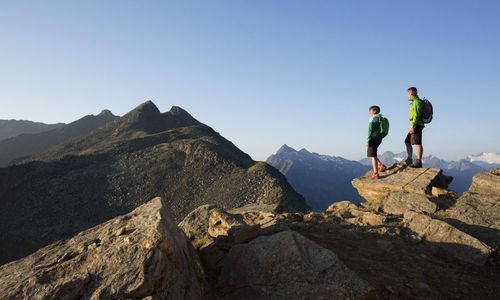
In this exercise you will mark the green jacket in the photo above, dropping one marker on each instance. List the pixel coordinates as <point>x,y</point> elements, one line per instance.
<point>373,127</point>
<point>416,111</point>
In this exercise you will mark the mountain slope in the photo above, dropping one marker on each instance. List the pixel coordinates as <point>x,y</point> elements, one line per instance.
<point>12,128</point>
<point>111,171</point>
<point>24,145</point>
<point>321,179</point>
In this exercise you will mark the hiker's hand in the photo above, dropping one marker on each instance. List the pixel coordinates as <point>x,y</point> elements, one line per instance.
<point>412,131</point>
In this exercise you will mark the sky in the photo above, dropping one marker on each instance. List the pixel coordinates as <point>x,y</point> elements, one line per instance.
<point>262,73</point>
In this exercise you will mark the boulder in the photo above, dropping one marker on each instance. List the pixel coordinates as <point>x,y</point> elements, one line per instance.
<point>314,217</point>
<point>446,237</point>
<point>400,179</point>
<point>371,219</point>
<point>195,225</point>
<point>286,265</point>
<point>231,227</point>
<point>440,192</point>
<point>477,211</point>
<point>486,183</point>
<point>138,255</point>
<point>340,208</point>
<point>397,203</point>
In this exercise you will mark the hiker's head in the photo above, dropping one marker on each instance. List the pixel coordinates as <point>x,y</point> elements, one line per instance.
<point>412,92</point>
<point>374,110</point>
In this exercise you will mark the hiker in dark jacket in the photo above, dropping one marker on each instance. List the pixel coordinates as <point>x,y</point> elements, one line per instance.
<point>414,136</point>
<point>374,140</point>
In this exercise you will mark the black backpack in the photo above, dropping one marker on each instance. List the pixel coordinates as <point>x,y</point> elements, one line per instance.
<point>428,112</point>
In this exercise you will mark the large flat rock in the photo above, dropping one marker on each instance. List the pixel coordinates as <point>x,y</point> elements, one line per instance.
<point>448,238</point>
<point>287,265</point>
<point>400,179</point>
<point>397,203</point>
<point>138,255</point>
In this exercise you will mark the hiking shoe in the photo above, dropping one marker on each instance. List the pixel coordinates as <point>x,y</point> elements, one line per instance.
<point>381,167</point>
<point>417,164</point>
<point>408,162</point>
<point>375,176</point>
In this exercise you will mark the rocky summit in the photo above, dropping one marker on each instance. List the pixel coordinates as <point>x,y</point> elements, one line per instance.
<point>420,197</point>
<point>80,183</point>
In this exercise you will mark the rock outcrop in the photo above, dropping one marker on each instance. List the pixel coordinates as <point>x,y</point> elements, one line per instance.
<point>135,256</point>
<point>348,252</point>
<point>287,265</point>
<point>477,211</point>
<point>420,195</point>
<point>400,179</point>
<point>444,236</point>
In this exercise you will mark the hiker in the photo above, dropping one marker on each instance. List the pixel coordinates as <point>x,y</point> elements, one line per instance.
<point>414,136</point>
<point>376,132</point>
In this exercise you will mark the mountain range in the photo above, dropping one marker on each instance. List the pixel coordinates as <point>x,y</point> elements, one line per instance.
<point>321,179</point>
<point>21,146</point>
<point>12,128</point>
<point>113,169</point>
<point>324,179</point>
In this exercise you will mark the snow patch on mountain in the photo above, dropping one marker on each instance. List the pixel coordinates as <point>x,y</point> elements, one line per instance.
<point>489,158</point>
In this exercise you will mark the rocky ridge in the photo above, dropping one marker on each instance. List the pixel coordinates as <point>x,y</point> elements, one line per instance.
<point>347,252</point>
<point>20,147</point>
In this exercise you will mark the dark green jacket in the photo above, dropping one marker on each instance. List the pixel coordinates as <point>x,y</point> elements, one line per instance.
<point>416,112</point>
<point>373,127</point>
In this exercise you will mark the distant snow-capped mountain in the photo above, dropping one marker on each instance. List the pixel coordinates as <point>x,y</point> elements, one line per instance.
<point>485,160</point>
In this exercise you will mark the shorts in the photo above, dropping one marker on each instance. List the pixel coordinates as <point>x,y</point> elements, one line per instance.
<point>373,144</point>
<point>415,138</point>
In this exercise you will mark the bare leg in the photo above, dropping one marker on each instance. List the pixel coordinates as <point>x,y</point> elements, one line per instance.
<point>409,149</point>
<point>375,165</point>
<point>420,152</point>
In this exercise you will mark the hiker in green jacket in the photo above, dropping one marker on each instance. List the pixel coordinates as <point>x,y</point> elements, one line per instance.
<point>414,136</point>
<point>374,140</point>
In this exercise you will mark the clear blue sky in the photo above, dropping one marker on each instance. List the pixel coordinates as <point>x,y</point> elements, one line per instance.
<point>262,73</point>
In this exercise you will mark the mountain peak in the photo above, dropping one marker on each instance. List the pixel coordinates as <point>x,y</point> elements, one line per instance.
<point>304,151</point>
<point>105,113</point>
<point>148,118</point>
<point>147,107</point>
<point>285,149</point>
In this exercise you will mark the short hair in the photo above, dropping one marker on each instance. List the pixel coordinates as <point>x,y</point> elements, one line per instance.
<point>376,108</point>
<point>413,90</point>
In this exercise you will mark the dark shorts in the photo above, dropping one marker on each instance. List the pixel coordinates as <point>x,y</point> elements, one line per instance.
<point>373,144</point>
<point>416,137</point>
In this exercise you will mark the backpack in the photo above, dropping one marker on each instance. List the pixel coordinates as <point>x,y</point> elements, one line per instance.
<point>383,129</point>
<point>428,112</point>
